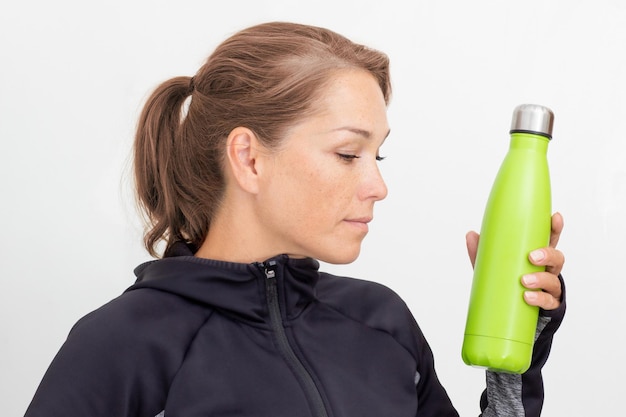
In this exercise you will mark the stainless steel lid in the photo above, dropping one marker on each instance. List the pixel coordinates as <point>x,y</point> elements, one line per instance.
<point>533,118</point>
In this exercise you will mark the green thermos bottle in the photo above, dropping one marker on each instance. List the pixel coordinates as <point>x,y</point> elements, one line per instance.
<point>500,327</point>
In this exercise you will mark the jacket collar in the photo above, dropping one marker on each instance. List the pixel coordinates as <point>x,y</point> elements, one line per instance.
<point>233,288</point>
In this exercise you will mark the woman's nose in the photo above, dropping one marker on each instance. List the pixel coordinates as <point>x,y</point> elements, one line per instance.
<point>374,186</point>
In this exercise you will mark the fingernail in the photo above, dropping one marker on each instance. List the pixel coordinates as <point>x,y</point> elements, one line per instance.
<point>529,280</point>
<point>537,255</point>
<point>530,296</point>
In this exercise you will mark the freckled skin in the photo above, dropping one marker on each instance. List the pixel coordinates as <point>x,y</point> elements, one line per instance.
<point>318,192</point>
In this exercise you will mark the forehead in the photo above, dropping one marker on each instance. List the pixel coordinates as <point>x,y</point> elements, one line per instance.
<point>353,97</point>
<point>351,101</point>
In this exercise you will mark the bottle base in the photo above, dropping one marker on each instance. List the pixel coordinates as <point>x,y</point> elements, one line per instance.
<point>496,354</point>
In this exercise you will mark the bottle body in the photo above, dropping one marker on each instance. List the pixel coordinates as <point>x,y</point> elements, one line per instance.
<point>500,327</point>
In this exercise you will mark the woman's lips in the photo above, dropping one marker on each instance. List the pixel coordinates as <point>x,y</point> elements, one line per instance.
<point>360,223</point>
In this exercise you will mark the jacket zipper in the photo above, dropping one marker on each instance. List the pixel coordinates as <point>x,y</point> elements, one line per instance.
<point>310,389</point>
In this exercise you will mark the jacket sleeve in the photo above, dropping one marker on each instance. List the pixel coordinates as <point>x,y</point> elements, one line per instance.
<point>522,395</point>
<point>381,308</point>
<point>432,398</point>
<point>118,360</point>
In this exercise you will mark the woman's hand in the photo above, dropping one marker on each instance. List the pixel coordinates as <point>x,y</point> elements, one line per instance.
<point>549,298</point>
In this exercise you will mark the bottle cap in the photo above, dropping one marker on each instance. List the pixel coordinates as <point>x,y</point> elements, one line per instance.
<point>532,118</point>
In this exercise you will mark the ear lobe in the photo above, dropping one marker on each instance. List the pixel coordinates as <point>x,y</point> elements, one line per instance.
<point>241,153</point>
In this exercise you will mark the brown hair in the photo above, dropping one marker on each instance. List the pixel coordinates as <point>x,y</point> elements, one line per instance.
<point>265,78</point>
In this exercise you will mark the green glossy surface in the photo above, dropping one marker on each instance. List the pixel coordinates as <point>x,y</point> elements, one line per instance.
<point>500,327</point>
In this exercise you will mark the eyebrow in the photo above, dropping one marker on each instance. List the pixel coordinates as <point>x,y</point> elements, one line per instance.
<point>361,132</point>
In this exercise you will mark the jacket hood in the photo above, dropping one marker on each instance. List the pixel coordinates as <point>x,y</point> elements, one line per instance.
<point>233,288</point>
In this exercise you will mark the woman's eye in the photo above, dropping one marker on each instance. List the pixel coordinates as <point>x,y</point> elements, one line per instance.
<point>347,157</point>
<point>351,157</point>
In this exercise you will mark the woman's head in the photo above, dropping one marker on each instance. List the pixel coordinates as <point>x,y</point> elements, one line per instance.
<point>266,78</point>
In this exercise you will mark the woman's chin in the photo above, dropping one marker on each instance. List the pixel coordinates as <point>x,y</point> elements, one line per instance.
<point>341,257</point>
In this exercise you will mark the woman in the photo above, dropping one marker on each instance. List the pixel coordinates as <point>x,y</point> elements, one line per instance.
<point>249,172</point>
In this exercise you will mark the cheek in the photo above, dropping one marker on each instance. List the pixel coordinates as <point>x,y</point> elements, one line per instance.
<point>308,177</point>
<point>314,195</point>
<point>326,188</point>
<point>313,188</point>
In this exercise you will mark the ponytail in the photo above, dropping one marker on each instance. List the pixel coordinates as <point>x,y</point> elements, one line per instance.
<point>156,159</point>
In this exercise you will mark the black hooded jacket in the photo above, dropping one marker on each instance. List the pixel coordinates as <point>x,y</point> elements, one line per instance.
<point>196,337</point>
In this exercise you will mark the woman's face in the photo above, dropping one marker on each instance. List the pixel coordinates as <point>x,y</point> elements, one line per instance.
<point>318,190</point>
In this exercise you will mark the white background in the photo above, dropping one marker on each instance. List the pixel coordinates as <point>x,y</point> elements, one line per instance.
<point>73,77</point>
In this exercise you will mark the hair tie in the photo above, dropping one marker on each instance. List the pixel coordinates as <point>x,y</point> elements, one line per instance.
<point>192,85</point>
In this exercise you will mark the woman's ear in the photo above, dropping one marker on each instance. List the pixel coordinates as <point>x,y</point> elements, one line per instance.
<point>242,149</point>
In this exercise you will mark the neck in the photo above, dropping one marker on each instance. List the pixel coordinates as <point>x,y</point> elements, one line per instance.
<point>236,235</point>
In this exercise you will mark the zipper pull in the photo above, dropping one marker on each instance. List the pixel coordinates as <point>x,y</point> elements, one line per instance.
<point>270,269</point>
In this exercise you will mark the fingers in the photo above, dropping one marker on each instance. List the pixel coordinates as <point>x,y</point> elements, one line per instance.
<point>545,286</point>
<point>542,300</point>
<point>471,240</point>
<point>544,281</point>
<point>556,229</point>
<point>552,259</point>
<point>546,290</point>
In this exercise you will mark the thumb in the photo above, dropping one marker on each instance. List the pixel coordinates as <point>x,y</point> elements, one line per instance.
<point>471,240</point>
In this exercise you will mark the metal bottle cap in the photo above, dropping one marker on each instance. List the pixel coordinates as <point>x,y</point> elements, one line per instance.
<point>533,118</point>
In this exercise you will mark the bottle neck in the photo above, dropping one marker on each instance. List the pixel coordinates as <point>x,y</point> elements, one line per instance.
<point>529,141</point>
